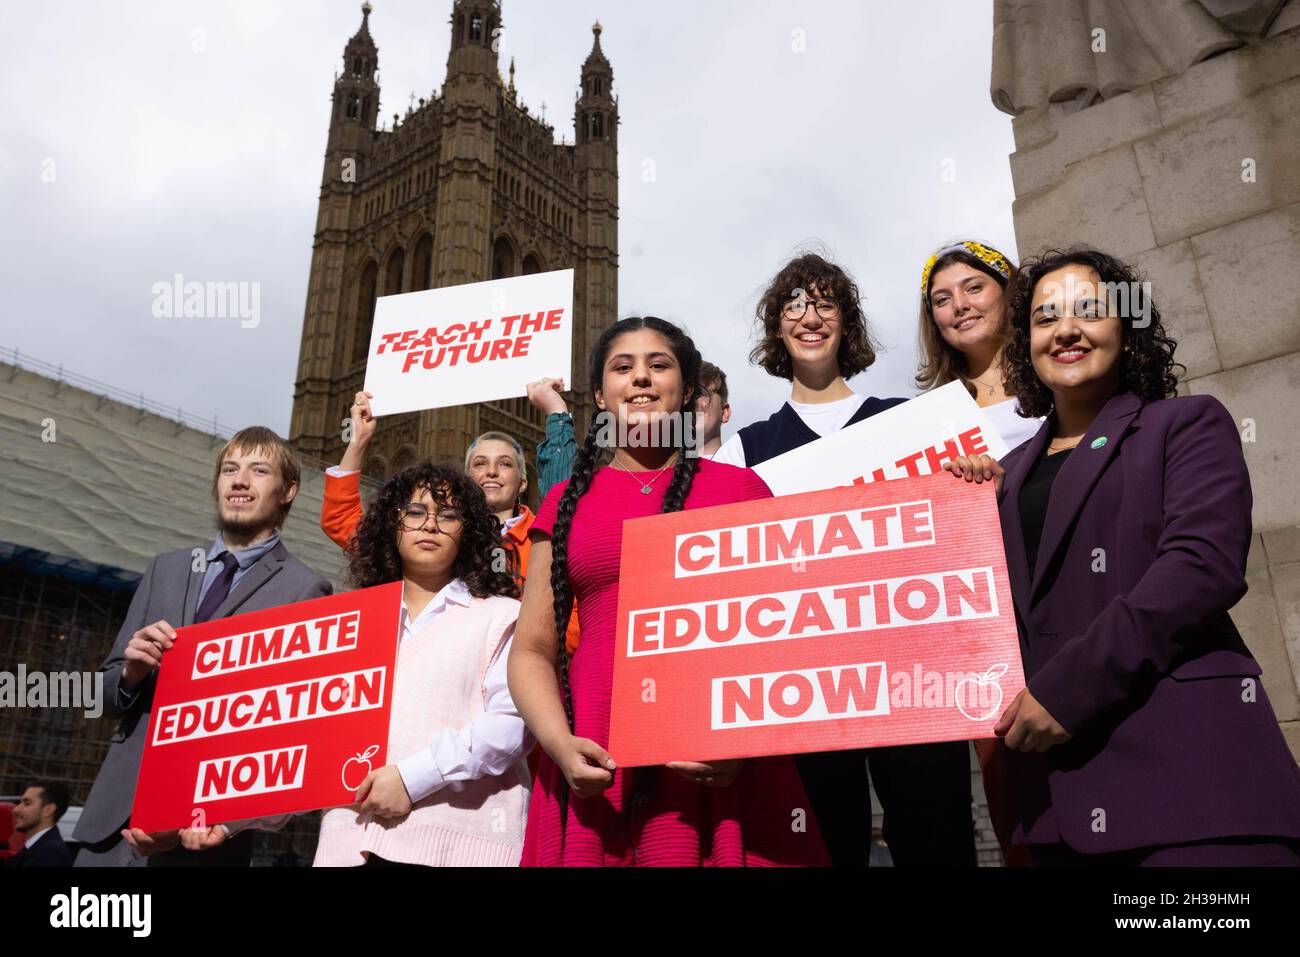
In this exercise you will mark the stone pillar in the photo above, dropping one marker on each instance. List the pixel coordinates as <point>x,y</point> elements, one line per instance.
<point>1196,179</point>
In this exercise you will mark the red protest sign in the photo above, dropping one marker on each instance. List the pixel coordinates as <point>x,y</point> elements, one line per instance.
<point>273,712</point>
<point>854,617</point>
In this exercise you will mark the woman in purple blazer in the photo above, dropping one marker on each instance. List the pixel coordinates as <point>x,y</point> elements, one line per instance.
<point>1144,736</point>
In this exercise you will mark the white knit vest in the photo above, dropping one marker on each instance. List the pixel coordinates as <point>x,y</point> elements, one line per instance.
<point>439,685</point>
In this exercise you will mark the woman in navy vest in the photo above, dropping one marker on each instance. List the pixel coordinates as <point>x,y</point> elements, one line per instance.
<point>815,334</point>
<point>1143,736</point>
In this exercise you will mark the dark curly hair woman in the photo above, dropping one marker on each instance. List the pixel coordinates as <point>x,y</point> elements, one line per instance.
<point>814,332</point>
<point>1112,298</point>
<point>586,810</point>
<point>455,790</point>
<point>1126,521</point>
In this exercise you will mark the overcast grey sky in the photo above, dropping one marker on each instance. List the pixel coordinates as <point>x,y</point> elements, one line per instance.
<point>187,137</point>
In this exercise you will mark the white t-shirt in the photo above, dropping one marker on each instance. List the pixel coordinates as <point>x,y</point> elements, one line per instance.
<point>824,418</point>
<point>1013,427</point>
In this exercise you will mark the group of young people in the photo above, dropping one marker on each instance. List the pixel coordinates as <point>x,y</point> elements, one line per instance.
<point>1143,736</point>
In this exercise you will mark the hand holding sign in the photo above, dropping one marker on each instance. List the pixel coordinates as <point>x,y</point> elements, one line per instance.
<point>360,430</point>
<point>718,774</point>
<point>978,469</point>
<point>383,793</point>
<point>203,838</point>
<point>150,844</point>
<point>545,396</point>
<point>144,652</point>
<point>1027,726</point>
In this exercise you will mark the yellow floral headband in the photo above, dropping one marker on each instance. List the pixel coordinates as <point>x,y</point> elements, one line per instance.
<point>985,254</point>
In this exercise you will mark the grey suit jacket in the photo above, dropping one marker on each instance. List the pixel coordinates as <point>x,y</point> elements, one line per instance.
<point>169,592</point>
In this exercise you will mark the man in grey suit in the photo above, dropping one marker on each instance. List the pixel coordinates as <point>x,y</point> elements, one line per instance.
<point>247,568</point>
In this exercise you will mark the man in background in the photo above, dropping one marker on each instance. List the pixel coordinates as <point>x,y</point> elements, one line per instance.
<point>36,817</point>
<point>712,409</point>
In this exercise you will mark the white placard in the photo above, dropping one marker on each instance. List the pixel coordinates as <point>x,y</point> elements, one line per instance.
<point>471,343</point>
<point>915,438</point>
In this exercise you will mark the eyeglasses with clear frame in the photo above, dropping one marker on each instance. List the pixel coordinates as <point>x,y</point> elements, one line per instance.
<point>414,517</point>
<point>796,308</point>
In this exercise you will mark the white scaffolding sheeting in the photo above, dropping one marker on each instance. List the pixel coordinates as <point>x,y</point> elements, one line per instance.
<point>119,485</point>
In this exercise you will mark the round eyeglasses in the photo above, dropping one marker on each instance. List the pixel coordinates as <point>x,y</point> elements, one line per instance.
<point>795,309</point>
<point>414,517</point>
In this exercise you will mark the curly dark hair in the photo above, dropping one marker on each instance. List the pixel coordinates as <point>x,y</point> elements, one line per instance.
<point>374,556</point>
<point>809,272</point>
<point>584,468</point>
<point>1146,362</point>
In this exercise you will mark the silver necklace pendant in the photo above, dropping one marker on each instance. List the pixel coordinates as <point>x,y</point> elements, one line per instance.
<point>646,489</point>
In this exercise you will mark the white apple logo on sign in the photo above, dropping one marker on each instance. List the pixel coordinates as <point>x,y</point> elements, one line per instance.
<point>983,681</point>
<point>362,760</point>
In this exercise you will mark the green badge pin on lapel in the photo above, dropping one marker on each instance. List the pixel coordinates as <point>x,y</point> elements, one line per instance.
<point>1099,442</point>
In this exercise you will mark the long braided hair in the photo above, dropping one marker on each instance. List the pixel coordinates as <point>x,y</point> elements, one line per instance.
<point>584,467</point>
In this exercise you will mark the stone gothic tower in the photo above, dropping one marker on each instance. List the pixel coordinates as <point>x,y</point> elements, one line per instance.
<point>468,185</point>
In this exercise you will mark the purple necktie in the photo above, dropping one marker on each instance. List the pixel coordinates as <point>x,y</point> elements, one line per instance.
<point>219,589</point>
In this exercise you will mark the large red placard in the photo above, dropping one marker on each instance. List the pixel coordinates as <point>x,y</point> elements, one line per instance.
<point>854,617</point>
<point>269,713</point>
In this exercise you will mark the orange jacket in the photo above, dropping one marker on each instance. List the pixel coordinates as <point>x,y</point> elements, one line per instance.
<point>340,514</point>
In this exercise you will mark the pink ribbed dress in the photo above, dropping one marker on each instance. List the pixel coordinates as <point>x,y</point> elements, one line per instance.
<point>750,823</point>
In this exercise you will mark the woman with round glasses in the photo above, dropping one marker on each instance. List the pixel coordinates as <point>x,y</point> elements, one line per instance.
<point>455,791</point>
<point>815,334</point>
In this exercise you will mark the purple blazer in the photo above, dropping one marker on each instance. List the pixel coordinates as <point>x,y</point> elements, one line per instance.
<point>1127,642</point>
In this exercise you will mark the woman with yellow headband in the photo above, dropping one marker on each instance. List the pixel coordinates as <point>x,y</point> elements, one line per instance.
<point>964,324</point>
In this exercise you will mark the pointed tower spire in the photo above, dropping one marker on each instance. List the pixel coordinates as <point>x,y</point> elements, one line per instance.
<point>596,113</point>
<point>356,91</point>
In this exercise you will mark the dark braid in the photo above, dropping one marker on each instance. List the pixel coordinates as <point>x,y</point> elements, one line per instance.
<point>584,468</point>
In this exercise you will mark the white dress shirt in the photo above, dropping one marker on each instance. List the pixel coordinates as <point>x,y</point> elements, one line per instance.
<point>36,837</point>
<point>488,745</point>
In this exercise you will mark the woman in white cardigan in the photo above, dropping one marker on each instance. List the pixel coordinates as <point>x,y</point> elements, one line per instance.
<point>456,790</point>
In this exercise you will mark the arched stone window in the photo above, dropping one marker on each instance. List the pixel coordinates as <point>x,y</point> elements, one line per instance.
<point>352,106</point>
<point>393,274</point>
<point>533,264</point>
<point>376,467</point>
<point>422,278</point>
<point>403,458</point>
<point>365,311</point>
<point>503,259</point>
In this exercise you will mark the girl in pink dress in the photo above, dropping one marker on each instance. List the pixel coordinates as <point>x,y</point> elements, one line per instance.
<point>585,809</point>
